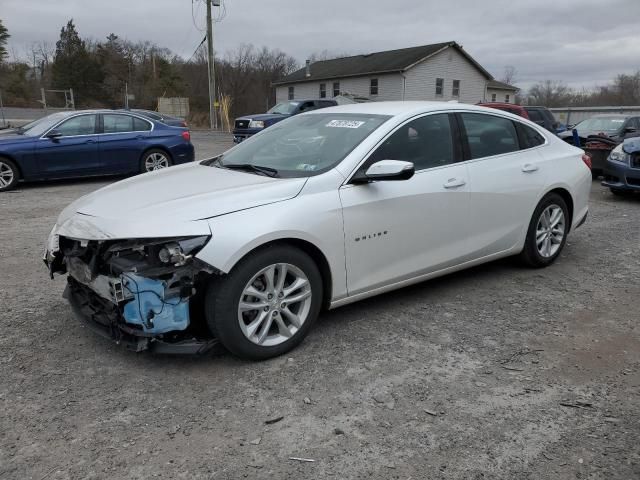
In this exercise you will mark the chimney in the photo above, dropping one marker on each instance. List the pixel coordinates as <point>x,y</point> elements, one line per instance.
<point>308,72</point>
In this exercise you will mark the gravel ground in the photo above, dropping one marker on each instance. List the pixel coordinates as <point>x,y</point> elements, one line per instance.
<point>498,372</point>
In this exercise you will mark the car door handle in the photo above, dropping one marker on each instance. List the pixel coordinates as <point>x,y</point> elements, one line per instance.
<point>90,141</point>
<point>529,167</point>
<point>454,183</point>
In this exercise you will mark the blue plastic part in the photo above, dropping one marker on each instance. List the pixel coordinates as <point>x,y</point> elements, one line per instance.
<point>576,137</point>
<point>150,309</point>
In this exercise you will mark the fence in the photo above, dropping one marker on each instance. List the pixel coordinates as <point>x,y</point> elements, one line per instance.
<point>573,115</point>
<point>174,106</point>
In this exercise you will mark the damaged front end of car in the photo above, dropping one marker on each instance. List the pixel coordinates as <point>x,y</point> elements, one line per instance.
<point>145,294</point>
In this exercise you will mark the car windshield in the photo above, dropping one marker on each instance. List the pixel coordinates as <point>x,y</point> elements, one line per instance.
<point>601,124</point>
<point>284,108</point>
<point>38,127</point>
<point>303,145</point>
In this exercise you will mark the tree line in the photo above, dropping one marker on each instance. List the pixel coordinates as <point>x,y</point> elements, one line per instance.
<point>98,71</point>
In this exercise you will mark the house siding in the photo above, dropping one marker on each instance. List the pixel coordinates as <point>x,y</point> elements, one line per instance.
<point>449,65</point>
<point>389,88</point>
<point>420,80</point>
<point>500,95</point>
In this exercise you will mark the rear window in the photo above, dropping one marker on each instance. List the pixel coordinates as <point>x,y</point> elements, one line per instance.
<point>529,137</point>
<point>489,135</point>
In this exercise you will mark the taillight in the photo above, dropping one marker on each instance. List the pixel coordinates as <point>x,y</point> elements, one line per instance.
<point>186,135</point>
<point>587,160</point>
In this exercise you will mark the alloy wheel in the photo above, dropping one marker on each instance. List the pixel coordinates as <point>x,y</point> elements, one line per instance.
<point>550,231</point>
<point>155,161</point>
<point>6,175</point>
<point>274,304</point>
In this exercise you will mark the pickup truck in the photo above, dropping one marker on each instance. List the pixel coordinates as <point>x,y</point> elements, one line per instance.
<point>249,125</point>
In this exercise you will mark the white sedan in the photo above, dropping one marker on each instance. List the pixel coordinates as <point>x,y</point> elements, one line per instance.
<point>320,210</point>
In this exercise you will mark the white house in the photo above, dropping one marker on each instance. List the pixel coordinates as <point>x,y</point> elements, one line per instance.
<point>442,71</point>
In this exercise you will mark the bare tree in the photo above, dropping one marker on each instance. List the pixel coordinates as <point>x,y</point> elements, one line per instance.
<point>550,93</point>
<point>510,75</point>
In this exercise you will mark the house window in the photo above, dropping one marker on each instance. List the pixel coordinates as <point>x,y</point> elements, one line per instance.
<point>323,90</point>
<point>336,89</point>
<point>506,99</point>
<point>291,93</point>
<point>373,87</point>
<point>455,90</point>
<point>439,86</point>
<point>493,97</point>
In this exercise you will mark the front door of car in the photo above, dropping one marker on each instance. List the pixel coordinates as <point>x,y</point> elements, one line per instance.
<point>70,148</point>
<point>506,177</point>
<point>122,142</point>
<point>396,230</point>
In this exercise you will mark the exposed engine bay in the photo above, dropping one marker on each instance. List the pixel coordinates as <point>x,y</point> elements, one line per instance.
<point>138,292</point>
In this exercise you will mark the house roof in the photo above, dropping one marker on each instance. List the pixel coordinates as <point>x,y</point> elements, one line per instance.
<point>390,61</point>
<point>496,85</point>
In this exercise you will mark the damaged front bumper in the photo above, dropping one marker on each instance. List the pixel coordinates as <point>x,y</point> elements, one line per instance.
<point>139,293</point>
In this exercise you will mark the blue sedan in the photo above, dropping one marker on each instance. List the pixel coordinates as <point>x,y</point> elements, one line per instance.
<point>90,143</point>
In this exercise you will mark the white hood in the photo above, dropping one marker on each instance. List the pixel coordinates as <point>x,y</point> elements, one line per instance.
<point>146,205</point>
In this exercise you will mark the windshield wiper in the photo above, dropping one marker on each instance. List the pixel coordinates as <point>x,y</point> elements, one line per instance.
<point>248,167</point>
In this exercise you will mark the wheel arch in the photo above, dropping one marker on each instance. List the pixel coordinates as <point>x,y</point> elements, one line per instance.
<point>316,254</point>
<point>15,162</point>
<point>156,147</point>
<point>566,196</point>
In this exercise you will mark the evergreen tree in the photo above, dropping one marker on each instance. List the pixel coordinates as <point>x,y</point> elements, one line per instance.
<point>4,37</point>
<point>74,67</point>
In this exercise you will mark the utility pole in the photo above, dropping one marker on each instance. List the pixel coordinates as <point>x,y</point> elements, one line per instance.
<point>211,70</point>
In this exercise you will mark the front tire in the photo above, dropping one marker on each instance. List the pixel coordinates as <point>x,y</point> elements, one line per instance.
<point>155,159</point>
<point>267,304</point>
<point>9,174</point>
<point>547,233</point>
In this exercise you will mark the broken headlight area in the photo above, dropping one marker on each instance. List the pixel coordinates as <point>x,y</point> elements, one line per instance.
<point>140,292</point>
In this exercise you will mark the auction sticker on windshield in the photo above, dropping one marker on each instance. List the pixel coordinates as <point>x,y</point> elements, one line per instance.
<point>344,124</point>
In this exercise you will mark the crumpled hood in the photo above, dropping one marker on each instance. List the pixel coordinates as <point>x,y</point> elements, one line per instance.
<point>162,200</point>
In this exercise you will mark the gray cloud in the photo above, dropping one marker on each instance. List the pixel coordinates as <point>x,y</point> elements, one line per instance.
<point>582,42</point>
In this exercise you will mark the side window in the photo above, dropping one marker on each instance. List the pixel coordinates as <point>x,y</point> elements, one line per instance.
<point>81,125</point>
<point>489,135</point>
<point>425,141</point>
<point>291,93</point>
<point>336,89</point>
<point>439,86</point>
<point>117,123</point>
<point>493,97</point>
<point>323,90</point>
<point>455,89</point>
<point>326,103</point>
<point>306,106</point>
<point>529,137</point>
<point>536,117</point>
<point>373,86</point>
<point>140,125</point>
<point>506,99</point>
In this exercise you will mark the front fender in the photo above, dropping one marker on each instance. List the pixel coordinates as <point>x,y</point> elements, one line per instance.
<point>315,218</point>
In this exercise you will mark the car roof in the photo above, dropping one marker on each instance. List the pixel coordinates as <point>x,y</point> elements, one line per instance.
<point>500,104</point>
<point>310,100</point>
<point>613,115</point>
<point>398,108</point>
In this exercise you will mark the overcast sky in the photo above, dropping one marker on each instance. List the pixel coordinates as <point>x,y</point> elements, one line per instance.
<point>581,42</point>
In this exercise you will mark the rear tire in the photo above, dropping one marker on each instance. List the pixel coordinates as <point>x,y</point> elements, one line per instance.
<point>547,233</point>
<point>9,174</point>
<point>155,159</point>
<point>257,311</point>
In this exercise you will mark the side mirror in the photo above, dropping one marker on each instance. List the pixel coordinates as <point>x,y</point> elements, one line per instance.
<point>630,130</point>
<point>54,135</point>
<point>386,170</point>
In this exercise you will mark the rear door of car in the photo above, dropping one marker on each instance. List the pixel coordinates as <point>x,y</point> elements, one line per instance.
<point>506,177</point>
<point>122,141</point>
<point>74,152</point>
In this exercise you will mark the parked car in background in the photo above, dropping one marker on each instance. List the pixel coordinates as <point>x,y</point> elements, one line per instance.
<point>600,134</point>
<point>160,117</point>
<point>613,126</point>
<point>249,125</point>
<point>540,115</point>
<point>321,210</point>
<point>90,143</point>
<point>622,169</point>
